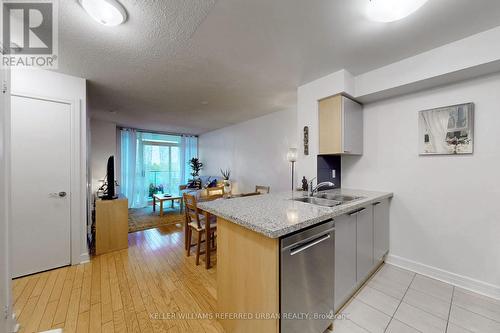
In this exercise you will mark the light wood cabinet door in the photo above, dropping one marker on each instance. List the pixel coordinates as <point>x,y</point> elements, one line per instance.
<point>330,125</point>
<point>340,126</point>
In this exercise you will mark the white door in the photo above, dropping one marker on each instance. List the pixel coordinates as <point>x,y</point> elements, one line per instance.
<point>41,172</point>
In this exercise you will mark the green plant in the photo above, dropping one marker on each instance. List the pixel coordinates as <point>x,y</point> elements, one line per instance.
<point>225,174</point>
<point>196,167</point>
<point>153,189</point>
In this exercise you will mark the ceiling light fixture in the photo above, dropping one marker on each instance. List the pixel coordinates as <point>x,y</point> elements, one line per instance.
<point>392,10</point>
<point>106,12</point>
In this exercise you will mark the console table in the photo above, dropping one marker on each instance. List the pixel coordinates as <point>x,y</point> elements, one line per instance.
<point>111,225</point>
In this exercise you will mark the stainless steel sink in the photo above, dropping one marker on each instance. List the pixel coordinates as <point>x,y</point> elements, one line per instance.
<point>328,199</point>
<point>338,197</point>
<point>319,201</point>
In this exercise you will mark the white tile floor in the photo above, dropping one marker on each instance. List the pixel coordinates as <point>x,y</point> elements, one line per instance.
<point>400,301</point>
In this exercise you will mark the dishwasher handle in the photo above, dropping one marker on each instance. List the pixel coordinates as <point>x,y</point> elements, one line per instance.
<point>309,244</point>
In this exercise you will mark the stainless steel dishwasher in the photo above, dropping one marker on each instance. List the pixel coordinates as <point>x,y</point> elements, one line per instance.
<point>307,274</point>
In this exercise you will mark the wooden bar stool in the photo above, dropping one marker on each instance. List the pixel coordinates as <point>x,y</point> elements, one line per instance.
<point>198,222</point>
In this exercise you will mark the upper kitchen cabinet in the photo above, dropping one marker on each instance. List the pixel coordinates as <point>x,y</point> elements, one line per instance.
<point>340,126</point>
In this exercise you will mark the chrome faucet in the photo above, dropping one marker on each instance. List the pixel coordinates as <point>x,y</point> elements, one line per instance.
<point>320,185</point>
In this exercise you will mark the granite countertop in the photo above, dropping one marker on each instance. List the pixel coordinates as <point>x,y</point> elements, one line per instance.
<point>276,215</point>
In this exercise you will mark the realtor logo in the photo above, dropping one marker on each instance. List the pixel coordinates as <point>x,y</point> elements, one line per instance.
<point>29,33</point>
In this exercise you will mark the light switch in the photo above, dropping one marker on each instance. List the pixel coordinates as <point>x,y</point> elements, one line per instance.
<point>333,173</point>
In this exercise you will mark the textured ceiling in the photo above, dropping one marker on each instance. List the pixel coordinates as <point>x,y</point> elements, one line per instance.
<point>196,65</point>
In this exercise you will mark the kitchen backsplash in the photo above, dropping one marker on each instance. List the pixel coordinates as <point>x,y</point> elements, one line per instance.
<point>327,165</point>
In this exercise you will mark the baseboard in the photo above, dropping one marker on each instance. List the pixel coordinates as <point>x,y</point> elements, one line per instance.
<point>461,281</point>
<point>13,324</point>
<point>84,257</point>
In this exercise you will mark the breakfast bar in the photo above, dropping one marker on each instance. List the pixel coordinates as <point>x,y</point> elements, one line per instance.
<point>252,234</point>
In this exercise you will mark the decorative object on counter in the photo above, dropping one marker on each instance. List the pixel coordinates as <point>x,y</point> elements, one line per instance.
<point>305,184</point>
<point>447,131</point>
<point>226,174</point>
<point>291,156</point>
<point>306,140</point>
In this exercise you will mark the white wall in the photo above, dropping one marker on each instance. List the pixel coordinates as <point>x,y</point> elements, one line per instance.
<point>445,215</point>
<point>52,85</point>
<point>473,56</point>
<point>254,150</point>
<point>468,53</point>
<point>103,145</point>
<point>308,96</point>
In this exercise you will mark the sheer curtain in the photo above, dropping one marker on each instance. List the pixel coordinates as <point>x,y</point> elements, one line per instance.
<point>437,126</point>
<point>133,176</point>
<point>173,155</point>
<point>189,149</point>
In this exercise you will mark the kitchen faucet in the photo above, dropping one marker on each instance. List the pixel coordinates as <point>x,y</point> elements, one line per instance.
<point>315,189</point>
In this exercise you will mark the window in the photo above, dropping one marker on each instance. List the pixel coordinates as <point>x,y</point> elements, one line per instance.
<point>154,163</point>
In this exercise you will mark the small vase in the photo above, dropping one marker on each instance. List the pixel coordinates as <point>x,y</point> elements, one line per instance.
<point>227,186</point>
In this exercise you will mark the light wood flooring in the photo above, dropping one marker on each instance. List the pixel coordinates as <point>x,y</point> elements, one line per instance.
<point>146,288</point>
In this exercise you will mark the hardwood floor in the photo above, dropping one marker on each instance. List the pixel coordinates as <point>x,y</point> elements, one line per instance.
<point>150,287</point>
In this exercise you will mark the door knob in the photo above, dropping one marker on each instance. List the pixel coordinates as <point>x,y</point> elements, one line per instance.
<point>59,194</point>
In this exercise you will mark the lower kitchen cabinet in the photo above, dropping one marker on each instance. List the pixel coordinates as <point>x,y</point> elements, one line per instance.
<point>345,258</point>
<point>380,230</point>
<point>361,241</point>
<point>364,242</point>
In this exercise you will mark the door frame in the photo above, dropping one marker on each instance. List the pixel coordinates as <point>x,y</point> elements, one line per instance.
<point>8,322</point>
<point>78,209</point>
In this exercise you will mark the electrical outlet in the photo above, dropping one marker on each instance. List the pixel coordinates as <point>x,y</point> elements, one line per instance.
<point>333,173</point>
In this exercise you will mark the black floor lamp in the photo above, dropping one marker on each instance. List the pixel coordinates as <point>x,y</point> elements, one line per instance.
<point>291,156</point>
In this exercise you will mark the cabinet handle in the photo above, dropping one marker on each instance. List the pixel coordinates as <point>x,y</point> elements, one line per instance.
<point>377,203</point>
<point>356,212</point>
<point>310,244</point>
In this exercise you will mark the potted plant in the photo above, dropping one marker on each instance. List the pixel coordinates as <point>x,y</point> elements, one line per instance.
<point>155,189</point>
<point>225,177</point>
<point>196,167</point>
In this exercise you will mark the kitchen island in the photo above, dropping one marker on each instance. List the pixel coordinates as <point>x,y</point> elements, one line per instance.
<point>250,233</point>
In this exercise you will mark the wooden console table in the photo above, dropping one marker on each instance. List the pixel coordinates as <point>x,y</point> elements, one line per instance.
<point>111,225</point>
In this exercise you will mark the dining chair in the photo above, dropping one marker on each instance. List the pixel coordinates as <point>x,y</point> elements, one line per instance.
<point>262,189</point>
<point>197,222</point>
<point>212,192</point>
<point>251,194</point>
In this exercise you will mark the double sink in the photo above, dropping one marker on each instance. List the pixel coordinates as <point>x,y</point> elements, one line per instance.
<point>328,199</point>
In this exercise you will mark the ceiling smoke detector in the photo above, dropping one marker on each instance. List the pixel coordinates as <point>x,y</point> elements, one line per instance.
<point>392,10</point>
<point>107,12</point>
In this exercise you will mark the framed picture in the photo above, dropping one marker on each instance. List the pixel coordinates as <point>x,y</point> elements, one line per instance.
<point>447,131</point>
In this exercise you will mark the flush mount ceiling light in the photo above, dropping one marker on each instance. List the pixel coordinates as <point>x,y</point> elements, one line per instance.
<point>106,12</point>
<point>392,10</point>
